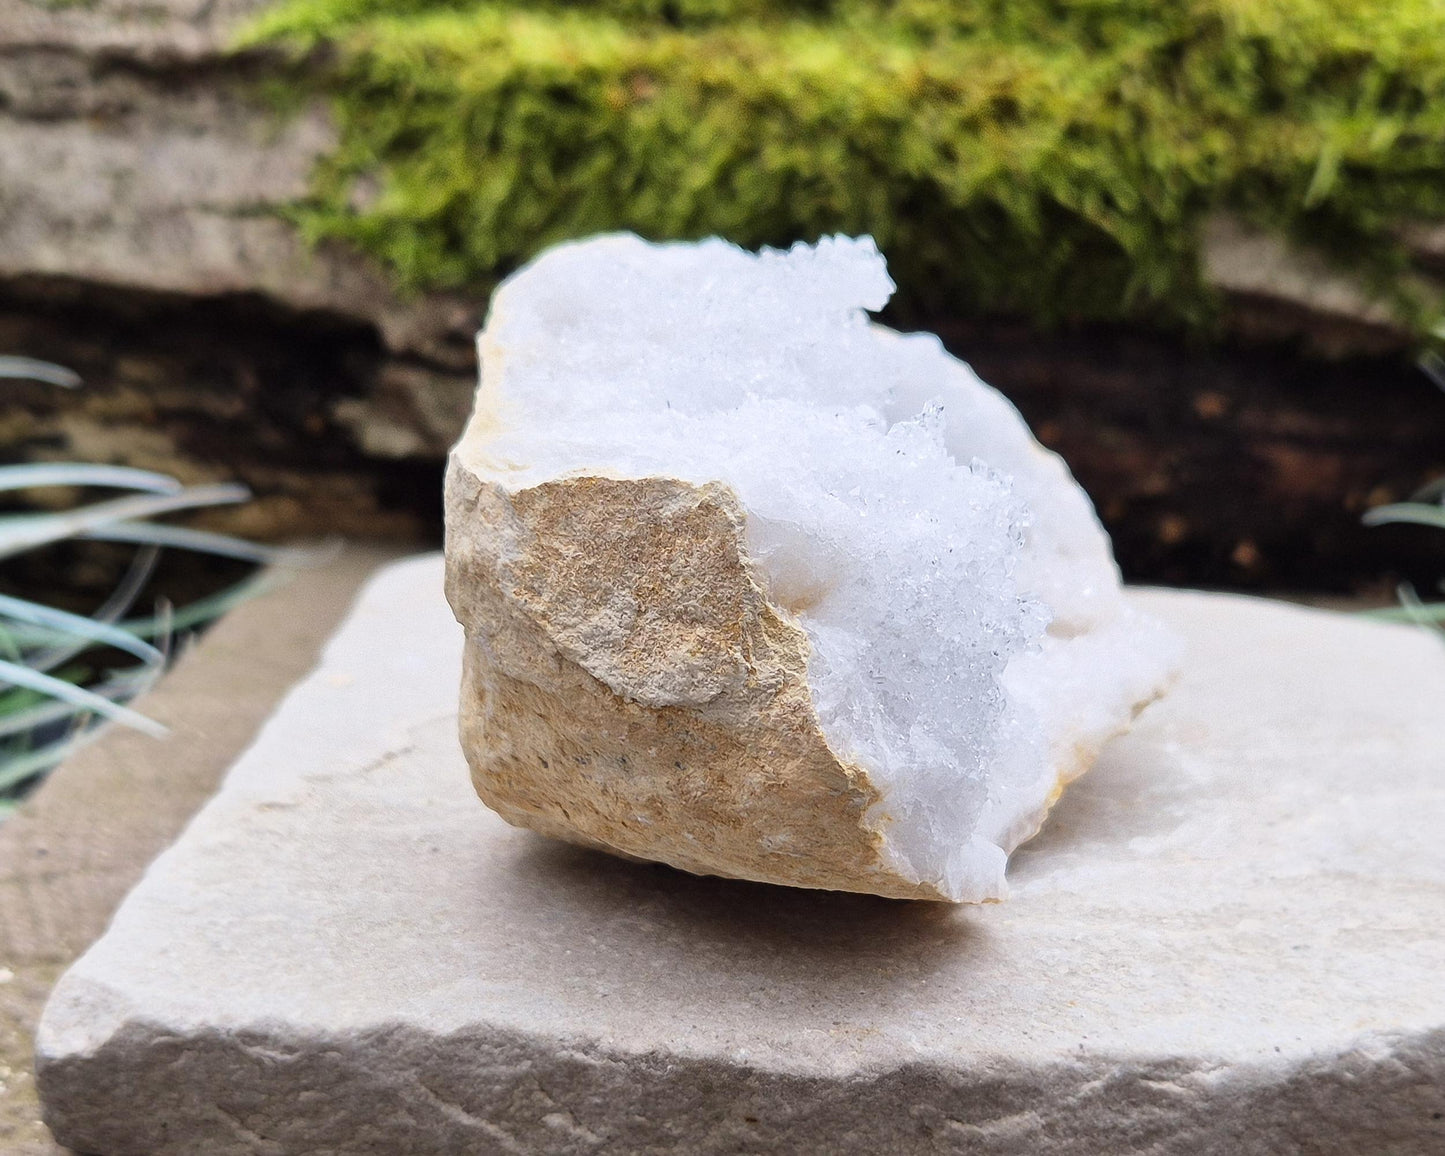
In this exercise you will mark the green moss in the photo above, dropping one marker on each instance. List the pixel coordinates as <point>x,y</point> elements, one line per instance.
<point>1053,157</point>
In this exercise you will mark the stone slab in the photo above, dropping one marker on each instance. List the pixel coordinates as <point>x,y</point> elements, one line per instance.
<point>85,836</point>
<point>1227,939</point>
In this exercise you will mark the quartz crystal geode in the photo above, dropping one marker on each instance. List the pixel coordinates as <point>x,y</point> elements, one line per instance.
<point>758,588</point>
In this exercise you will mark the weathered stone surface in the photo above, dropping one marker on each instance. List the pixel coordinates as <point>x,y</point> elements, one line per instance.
<point>1276,288</point>
<point>140,153</point>
<point>142,174</point>
<point>1227,939</point>
<point>86,835</point>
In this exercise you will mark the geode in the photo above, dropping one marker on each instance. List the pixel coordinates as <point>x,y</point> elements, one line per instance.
<point>758,588</point>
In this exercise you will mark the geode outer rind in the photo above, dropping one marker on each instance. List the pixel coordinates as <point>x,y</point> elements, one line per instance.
<point>627,685</point>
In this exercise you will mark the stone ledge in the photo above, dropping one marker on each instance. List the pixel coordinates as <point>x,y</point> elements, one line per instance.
<point>1227,938</point>
<point>70,854</point>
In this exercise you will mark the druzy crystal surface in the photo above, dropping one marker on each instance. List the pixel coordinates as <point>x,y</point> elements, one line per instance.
<point>958,633</point>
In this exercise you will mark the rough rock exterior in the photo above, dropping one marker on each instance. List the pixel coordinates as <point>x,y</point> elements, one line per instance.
<point>685,733</point>
<point>1228,939</point>
<point>718,543</point>
<point>684,739</point>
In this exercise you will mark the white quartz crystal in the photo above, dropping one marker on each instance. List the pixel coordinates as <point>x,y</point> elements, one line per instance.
<point>968,650</point>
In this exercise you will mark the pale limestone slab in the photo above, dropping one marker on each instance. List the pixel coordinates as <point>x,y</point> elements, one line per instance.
<point>1227,939</point>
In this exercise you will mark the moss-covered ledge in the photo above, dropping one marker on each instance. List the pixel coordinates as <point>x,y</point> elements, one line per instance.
<point>1052,158</point>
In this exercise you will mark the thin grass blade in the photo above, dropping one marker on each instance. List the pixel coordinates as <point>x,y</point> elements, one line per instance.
<point>1412,610</point>
<point>33,369</point>
<point>1430,492</point>
<point>10,645</point>
<point>19,675</point>
<point>180,619</point>
<point>119,688</point>
<point>94,633</point>
<point>184,538</point>
<point>28,531</point>
<point>1422,614</point>
<point>35,475</point>
<point>18,768</point>
<point>1418,513</point>
<point>121,599</point>
<point>204,609</point>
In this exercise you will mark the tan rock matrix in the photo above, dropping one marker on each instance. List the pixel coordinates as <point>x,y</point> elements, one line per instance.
<point>757,588</point>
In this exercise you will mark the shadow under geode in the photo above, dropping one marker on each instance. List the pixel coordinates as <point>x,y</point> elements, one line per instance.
<point>792,934</point>
<point>740,942</point>
<point>1138,789</point>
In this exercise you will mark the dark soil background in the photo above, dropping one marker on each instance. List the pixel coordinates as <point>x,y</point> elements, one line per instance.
<point>1235,466</point>
<point>1231,465</point>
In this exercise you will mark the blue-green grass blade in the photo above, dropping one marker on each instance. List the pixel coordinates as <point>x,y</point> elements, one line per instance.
<point>121,599</point>
<point>33,369</point>
<point>19,675</point>
<point>1418,513</point>
<point>118,688</point>
<point>10,644</point>
<point>27,531</point>
<point>1412,610</point>
<point>204,610</point>
<point>182,618</point>
<point>91,631</point>
<point>15,770</point>
<point>1425,613</point>
<point>35,475</point>
<point>204,541</point>
<point>1430,492</point>
<point>23,721</point>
